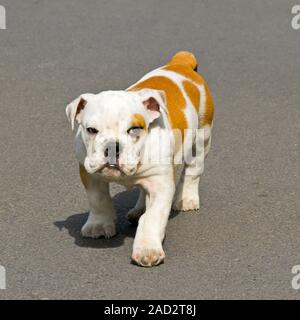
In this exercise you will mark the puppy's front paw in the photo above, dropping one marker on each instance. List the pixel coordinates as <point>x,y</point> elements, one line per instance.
<point>148,257</point>
<point>96,227</point>
<point>186,203</point>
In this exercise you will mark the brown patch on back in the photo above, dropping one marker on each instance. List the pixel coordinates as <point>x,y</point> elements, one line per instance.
<point>192,92</point>
<point>183,63</point>
<point>174,97</point>
<point>209,108</point>
<point>185,71</point>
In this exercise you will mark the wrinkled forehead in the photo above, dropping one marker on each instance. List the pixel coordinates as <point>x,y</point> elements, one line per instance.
<point>112,108</point>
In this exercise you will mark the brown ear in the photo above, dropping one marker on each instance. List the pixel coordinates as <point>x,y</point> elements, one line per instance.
<point>74,108</point>
<point>153,100</point>
<point>153,107</point>
<point>80,106</point>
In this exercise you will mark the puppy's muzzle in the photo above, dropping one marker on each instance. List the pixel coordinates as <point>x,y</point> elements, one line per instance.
<point>109,158</point>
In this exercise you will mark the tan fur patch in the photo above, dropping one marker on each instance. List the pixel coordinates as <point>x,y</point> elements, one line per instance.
<point>209,108</point>
<point>175,99</point>
<point>186,71</point>
<point>138,121</point>
<point>193,93</point>
<point>182,63</point>
<point>186,58</point>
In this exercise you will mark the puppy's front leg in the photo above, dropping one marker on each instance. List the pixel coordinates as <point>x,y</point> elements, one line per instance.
<point>147,246</point>
<point>102,216</point>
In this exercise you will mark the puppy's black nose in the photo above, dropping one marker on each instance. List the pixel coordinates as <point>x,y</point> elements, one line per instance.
<point>112,151</point>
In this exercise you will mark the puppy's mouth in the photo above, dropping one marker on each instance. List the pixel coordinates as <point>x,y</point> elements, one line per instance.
<point>112,166</point>
<point>109,169</point>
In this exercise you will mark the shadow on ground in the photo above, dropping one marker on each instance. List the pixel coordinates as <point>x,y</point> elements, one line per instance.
<point>123,202</point>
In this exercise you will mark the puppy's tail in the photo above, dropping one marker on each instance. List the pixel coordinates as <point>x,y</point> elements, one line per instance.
<point>185,58</point>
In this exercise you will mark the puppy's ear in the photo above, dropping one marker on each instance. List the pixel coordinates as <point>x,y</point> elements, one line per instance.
<point>153,100</point>
<point>74,108</point>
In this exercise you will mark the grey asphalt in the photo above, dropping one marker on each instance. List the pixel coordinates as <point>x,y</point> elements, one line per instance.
<point>246,237</point>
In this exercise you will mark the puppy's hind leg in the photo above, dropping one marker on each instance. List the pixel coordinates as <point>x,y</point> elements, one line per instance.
<point>187,194</point>
<point>102,216</point>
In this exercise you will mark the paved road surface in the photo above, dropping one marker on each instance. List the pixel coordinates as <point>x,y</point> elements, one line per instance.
<point>246,237</point>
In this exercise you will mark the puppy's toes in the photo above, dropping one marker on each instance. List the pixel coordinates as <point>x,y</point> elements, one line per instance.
<point>148,257</point>
<point>97,230</point>
<point>186,204</point>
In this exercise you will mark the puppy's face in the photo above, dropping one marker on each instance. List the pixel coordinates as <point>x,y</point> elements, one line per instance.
<point>113,127</point>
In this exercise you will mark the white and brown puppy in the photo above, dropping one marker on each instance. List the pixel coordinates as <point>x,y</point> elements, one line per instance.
<point>117,132</point>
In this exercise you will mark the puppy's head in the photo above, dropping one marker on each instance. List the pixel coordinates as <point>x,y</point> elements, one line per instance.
<point>114,126</point>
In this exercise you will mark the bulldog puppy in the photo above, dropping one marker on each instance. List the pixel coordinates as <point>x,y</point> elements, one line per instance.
<point>133,137</point>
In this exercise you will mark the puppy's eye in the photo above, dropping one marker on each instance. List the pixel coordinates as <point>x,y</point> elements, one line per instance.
<point>91,130</point>
<point>134,130</point>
